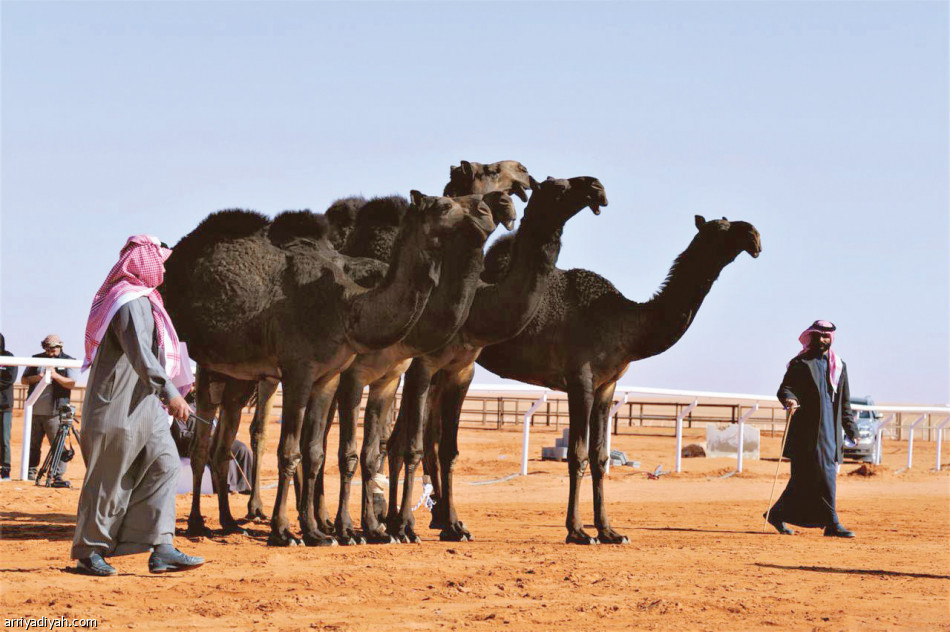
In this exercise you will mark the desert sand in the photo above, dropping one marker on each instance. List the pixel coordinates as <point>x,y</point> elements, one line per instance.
<point>699,558</point>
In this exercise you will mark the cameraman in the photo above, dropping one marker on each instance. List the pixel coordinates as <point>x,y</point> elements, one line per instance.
<point>7,380</point>
<point>46,408</point>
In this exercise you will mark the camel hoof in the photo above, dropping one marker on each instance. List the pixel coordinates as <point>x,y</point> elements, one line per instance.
<point>580,538</point>
<point>456,533</point>
<point>282,538</point>
<point>612,538</point>
<point>198,530</point>
<point>255,515</point>
<point>314,540</point>
<point>234,529</point>
<point>380,538</point>
<point>350,540</point>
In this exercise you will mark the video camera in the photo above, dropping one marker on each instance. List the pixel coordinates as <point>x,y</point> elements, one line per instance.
<point>67,415</point>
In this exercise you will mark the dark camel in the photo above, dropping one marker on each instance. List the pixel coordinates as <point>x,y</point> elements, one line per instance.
<point>370,235</point>
<point>261,300</point>
<point>367,232</point>
<point>499,312</point>
<point>446,311</point>
<point>586,333</point>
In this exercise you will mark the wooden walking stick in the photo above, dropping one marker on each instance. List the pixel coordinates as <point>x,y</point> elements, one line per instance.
<point>788,421</point>
<point>241,470</point>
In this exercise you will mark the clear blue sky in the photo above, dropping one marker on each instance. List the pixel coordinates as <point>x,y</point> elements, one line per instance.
<point>825,124</point>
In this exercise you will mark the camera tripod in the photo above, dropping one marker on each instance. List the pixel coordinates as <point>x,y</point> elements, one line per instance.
<point>57,452</point>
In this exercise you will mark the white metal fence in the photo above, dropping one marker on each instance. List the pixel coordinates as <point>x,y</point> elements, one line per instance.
<point>495,405</point>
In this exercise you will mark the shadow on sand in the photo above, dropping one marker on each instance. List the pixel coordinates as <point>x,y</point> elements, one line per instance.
<point>15,525</point>
<point>852,571</point>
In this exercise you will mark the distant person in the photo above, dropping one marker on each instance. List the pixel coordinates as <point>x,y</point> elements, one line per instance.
<point>46,408</point>
<point>127,503</point>
<point>7,380</point>
<point>815,389</point>
<point>240,467</point>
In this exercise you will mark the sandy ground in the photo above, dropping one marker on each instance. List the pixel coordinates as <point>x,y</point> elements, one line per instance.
<point>698,557</point>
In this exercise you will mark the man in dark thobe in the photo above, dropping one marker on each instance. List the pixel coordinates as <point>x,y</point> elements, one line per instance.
<point>816,389</point>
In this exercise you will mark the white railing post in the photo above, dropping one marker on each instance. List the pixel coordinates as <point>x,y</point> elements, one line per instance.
<point>527,426</point>
<point>741,423</point>
<point>879,439</point>
<point>910,441</point>
<point>28,422</point>
<point>613,410</point>
<point>940,427</point>
<point>679,434</point>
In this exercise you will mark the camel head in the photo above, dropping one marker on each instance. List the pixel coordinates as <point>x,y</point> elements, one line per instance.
<point>502,208</point>
<point>342,217</point>
<point>436,217</point>
<point>508,176</point>
<point>728,239</point>
<point>563,199</point>
<point>483,213</point>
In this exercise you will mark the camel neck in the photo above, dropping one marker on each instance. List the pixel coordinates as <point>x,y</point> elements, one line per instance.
<point>500,311</point>
<point>658,324</point>
<point>384,315</point>
<point>449,304</point>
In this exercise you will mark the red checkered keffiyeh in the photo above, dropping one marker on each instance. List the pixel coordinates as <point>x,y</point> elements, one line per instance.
<point>835,364</point>
<point>139,271</point>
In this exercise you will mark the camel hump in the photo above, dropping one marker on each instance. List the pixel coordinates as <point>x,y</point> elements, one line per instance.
<point>291,225</point>
<point>389,211</point>
<point>498,258</point>
<point>586,286</point>
<point>344,210</point>
<point>228,224</point>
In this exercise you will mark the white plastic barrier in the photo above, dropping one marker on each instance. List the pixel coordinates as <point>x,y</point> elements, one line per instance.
<point>28,405</point>
<point>910,441</point>
<point>940,428</point>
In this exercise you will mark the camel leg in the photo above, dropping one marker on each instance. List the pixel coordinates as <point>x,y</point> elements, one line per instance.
<point>431,438</point>
<point>236,394</point>
<point>414,399</point>
<point>348,397</point>
<point>200,450</point>
<point>297,386</point>
<point>381,396</point>
<point>320,498</point>
<point>599,427</point>
<point>387,420</point>
<point>456,387</point>
<point>265,404</point>
<point>580,401</point>
<point>395,448</point>
<point>315,421</point>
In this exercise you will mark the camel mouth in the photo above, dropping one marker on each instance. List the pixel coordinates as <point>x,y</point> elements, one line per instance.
<point>518,189</point>
<point>509,224</point>
<point>485,227</point>
<point>599,200</point>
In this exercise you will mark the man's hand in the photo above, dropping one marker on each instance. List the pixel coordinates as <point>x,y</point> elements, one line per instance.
<point>791,405</point>
<point>179,408</point>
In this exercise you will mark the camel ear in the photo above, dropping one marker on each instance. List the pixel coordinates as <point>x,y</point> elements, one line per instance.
<point>467,169</point>
<point>700,221</point>
<point>533,182</point>
<point>416,197</point>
